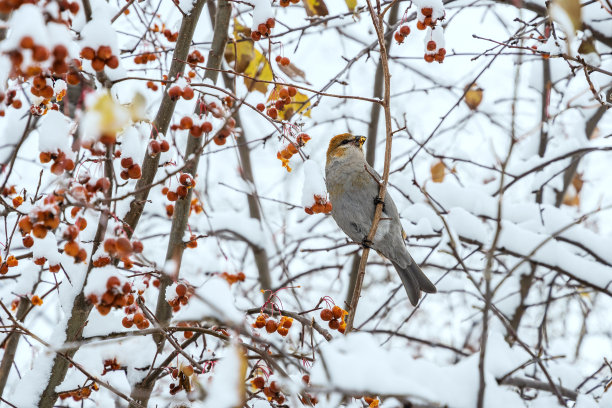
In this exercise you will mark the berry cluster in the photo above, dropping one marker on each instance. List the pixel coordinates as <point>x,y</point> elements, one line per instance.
<point>187,182</point>
<point>232,278</point>
<point>286,3</point>
<point>60,162</point>
<point>72,248</point>
<point>271,391</point>
<point>11,190</point>
<point>130,170</point>
<point>157,146</point>
<point>292,148</point>
<point>66,5</point>
<point>104,56</point>
<point>10,99</point>
<point>226,131</point>
<point>145,58</point>
<point>313,399</point>
<point>263,30</point>
<point>182,297</point>
<point>434,53</point>
<point>186,123</point>
<point>182,375</point>
<point>427,19</point>
<point>175,93</point>
<point>401,34</point>
<point>170,36</point>
<point>137,319</point>
<point>39,54</point>
<point>321,205</point>
<point>278,99</point>
<point>541,40</point>
<point>11,262</point>
<point>335,317</point>
<point>116,296</point>
<point>195,58</point>
<point>152,86</point>
<point>281,327</point>
<point>86,188</point>
<point>187,334</point>
<point>122,248</point>
<point>111,365</point>
<point>79,394</point>
<point>43,87</point>
<point>41,219</point>
<point>6,6</point>
<point>284,61</point>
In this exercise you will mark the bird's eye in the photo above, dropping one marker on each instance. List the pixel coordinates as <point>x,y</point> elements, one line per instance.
<point>345,141</point>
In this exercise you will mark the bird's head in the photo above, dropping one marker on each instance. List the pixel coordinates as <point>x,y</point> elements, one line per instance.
<point>343,144</point>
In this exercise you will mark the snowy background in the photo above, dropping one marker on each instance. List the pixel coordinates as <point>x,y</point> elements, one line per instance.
<point>453,169</point>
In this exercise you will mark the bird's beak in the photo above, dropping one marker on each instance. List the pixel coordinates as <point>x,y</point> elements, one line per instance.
<point>360,140</point>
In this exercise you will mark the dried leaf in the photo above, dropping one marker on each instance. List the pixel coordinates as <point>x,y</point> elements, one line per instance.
<point>571,200</point>
<point>587,46</point>
<point>293,72</point>
<point>243,46</point>
<point>473,97</point>
<point>438,172</point>
<point>315,8</point>
<point>258,68</point>
<point>351,4</point>
<point>577,182</point>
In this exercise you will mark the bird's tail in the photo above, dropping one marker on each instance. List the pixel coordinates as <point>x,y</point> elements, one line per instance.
<point>414,281</point>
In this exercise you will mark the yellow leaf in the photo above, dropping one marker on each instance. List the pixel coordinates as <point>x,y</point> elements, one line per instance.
<point>437,172</point>
<point>258,68</point>
<point>473,97</point>
<point>300,104</point>
<point>351,4</point>
<point>112,117</point>
<point>315,7</point>
<point>242,46</point>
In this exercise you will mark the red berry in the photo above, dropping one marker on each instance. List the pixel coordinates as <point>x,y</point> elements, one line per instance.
<point>404,30</point>
<point>272,112</point>
<point>326,315</point>
<point>431,45</point>
<point>207,127</point>
<point>181,290</point>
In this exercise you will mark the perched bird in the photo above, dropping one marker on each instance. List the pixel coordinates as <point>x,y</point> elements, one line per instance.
<point>353,187</point>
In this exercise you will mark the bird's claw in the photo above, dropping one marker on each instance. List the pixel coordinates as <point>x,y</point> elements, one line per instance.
<point>366,243</point>
<point>378,200</point>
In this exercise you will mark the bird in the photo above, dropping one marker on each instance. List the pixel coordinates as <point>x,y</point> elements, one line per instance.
<point>353,187</point>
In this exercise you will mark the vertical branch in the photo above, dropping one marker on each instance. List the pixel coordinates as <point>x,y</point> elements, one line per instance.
<point>12,341</point>
<point>372,133</point>
<point>386,103</point>
<point>176,246</point>
<point>527,280</point>
<point>80,308</point>
<point>491,252</point>
<point>259,253</point>
<point>163,117</point>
